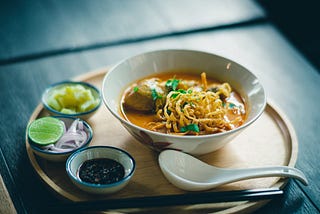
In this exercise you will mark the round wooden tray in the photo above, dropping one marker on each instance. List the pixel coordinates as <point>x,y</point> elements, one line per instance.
<point>271,140</point>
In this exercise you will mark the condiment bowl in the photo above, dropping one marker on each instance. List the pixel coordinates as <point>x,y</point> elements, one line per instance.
<point>61,156</point>
<point>52,106</point>
<point>77,159</point>
<point>135,68</point>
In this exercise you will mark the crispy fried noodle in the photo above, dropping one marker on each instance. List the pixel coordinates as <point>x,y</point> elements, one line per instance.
<point>202,110</point>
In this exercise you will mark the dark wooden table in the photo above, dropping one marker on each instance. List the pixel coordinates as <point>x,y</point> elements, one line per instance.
<point>42,42</point>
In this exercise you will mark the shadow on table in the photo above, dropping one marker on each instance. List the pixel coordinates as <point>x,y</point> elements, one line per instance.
<point>299,22</point>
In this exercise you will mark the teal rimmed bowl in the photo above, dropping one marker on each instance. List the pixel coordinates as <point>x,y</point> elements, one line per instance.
<point>96,152</point>
<point>60,85</point>
<point>60,156</point>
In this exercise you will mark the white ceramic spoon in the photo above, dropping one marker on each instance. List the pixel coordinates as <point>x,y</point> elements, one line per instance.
<point>191,174</point>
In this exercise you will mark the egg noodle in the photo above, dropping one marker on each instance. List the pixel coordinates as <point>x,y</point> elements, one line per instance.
<point>195,111</point>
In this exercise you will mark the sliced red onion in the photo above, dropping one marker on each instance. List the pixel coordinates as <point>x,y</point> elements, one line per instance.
<point>53,148</point>
<point>81,126</point>
<point>73,138</point>
<point>74,125</point>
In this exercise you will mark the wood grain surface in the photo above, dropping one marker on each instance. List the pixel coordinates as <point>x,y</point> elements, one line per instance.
<point>6,205</point>
<point>39,31</point>
<point>31,31</point>
<point>270,141</point>
<point>22,84</point>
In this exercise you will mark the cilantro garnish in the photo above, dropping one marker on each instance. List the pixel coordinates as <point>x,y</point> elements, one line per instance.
<point>174,95</point>
<point>155,94</point>
<point>172,84</point>
<point>180,91</point>
<point>190,127</point>
<point>135,89</point>
<point>232,105</point>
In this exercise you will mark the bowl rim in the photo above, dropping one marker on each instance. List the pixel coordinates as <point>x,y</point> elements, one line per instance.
<point>128,123</point>
<point>90,136</point>
<point>99,186</point>
<point>66,82</point>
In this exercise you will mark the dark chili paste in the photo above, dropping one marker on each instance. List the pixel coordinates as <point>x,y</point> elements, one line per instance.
<point>101,171</point>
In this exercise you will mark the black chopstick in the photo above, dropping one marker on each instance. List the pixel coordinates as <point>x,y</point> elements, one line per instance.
<point>169,200</point>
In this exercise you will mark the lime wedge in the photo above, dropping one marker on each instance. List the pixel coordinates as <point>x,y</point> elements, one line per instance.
<point>46,130</point>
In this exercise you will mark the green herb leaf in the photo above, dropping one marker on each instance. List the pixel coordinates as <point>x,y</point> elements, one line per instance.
<point>182,91</point>
<point>172,84</point>
<point>174,95</point>
<point>232,105</point>
<point>190,127</point>
<point>135,89</point>
<point>155,94</point>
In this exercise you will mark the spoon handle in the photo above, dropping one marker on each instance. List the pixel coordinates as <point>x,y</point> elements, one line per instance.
<point>276,171</point>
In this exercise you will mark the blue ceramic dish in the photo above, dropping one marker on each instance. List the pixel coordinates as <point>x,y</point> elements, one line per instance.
<point>83,115</point>
<point>61,156</point>
<point>96,152</point>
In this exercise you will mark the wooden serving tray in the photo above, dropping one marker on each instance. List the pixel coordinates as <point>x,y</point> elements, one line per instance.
<point>271,140</point>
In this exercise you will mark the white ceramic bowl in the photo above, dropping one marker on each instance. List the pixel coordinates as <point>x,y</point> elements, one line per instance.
<point>61,156</point>
<point>134,68</point>
<point>83,115</point>
<point>78,158</point>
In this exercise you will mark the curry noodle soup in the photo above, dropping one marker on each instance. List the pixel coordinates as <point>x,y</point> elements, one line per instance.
<point>183,103</point>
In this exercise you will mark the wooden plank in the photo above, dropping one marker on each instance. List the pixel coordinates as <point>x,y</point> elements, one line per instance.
<point>288,78</point>
<point>35,27</point>
<point>294,201</point>
<point>6,205</point>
